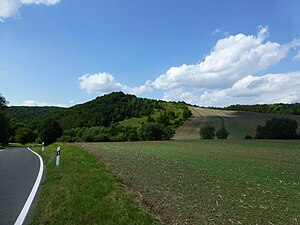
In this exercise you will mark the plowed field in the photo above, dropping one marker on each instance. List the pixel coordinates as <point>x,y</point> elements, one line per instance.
<point>239,124</point>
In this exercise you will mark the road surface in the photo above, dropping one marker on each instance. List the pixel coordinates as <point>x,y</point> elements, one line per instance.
<point>19,169</point>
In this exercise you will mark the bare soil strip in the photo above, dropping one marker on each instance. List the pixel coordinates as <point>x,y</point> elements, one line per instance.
<point>190,129</point>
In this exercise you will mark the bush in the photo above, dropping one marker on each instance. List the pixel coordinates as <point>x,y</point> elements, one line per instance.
<point>101,138</point>
<point>222,133</point>
<point>24,135</point>
<point>133,136</point>
<point>207,132</point>
<point>248,137</point>
<point>278,128</point>
<point>154,131</point>
<point>49,131</point>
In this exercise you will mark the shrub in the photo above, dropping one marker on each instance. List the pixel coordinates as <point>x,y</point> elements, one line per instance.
<point>248,137</point>
<point>207,132</point>
<point>24,135</point>
<point>154,131</point>
<point>222,133</point>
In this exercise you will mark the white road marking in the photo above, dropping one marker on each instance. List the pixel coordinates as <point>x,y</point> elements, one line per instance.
<point>33,192</point>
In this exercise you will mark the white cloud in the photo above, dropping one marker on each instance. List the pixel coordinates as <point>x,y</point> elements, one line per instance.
<point>270,88</point>
<point>231,59</point>
<point>297,57</point>
<point>103,83</point>
<point>225,76</point>
<point>220,31</point>
<point>9,8</point>
<point>31,102</point>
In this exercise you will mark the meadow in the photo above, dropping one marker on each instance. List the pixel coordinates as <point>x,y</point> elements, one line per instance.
<point>82,191</point>
<point>209,181</point>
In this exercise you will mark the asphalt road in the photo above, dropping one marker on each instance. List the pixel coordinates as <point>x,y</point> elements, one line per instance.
<point>19,168</point>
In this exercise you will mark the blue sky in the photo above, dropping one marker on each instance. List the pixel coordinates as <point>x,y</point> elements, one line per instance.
<point>203,52</point>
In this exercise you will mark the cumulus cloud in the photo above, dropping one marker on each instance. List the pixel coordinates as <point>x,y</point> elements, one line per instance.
<point>227,75</point>
<point>31,102</point>
<point>220,31</point>
<point>9,8</point>
<point>297,57</point>
<point>231,59</point>
<point>270,88</point>
<point>102,83</point>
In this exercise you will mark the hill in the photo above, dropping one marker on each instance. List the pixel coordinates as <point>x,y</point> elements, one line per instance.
<point>238,123</point>
<point>113,115</point>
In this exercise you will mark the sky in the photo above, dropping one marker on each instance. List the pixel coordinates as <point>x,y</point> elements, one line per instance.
<point>208,53</point>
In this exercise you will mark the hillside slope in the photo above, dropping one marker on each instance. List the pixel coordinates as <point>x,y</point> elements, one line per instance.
<point>237,123</point>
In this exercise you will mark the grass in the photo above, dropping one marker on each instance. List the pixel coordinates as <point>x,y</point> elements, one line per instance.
<point>11,145</point>
<point>137,121</point>
<point>82,191</point>
<point>210,182</point>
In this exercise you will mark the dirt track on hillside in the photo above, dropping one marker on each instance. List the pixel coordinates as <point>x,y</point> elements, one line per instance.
<point>249,120</point>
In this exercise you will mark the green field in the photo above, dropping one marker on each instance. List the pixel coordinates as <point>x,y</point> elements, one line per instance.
<point>82,191</point>
<point>212,181</point>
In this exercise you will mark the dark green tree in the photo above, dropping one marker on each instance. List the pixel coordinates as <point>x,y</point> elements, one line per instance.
<point>207,132</point>
<point>278,128</point>
<point>150,119</point>
<point>248,137</point>
<point>186,113</point>
<point>49,131</point>
<point>222,133</point>
<point>24,135</point>
<point>154,131</point>
<point>4,121</point>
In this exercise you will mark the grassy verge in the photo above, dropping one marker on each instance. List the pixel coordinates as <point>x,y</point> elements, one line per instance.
<point>10,145</point>
<point>213,181</point>
<point>82,191</point>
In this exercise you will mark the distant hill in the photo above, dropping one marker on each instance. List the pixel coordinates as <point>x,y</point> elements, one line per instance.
<point>238,123</point>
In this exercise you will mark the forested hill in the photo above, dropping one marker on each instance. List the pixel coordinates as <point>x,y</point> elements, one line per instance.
<point>112,117</point>
<point>102,111</point>
<point>108,109</point>
<point>28,113</point>
<point>291,109</point>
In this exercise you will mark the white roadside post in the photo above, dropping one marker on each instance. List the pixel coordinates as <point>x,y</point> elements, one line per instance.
<point>58,155</point>
<point>43,146</point>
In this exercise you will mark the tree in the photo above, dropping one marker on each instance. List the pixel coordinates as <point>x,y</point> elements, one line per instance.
<point>277,128</point>
<point>49,131</point>
<point>186,113</point>
<point>207,132</point>
<point>248,137</point>
<point>150,119</point>
<point>24,135</point>
<point>4,122</point>
<point>222,133</point>
<point>154,131</point>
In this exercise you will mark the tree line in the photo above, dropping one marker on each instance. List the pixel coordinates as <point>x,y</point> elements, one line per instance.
<point>280,108</point>
<point>276,128</point>
<point>96,120</point>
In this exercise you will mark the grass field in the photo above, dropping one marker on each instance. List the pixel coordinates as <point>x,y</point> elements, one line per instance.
<point>212,181</point>
<point>82,191</point>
